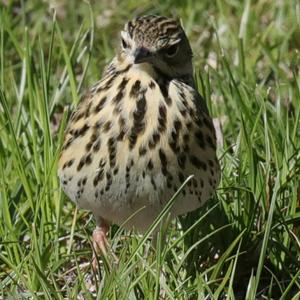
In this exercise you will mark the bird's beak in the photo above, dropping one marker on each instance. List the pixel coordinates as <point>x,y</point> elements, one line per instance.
<point>142,55</point>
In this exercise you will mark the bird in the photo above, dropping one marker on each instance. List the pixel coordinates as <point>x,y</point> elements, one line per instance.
<point>140,132</point>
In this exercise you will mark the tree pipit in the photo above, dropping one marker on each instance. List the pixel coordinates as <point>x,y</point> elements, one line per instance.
<point>140,132</point>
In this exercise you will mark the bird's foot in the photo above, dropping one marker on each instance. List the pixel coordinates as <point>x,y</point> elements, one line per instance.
<point>101,245</point>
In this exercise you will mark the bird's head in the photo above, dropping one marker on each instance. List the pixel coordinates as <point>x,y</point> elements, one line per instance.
<point>158,41</point>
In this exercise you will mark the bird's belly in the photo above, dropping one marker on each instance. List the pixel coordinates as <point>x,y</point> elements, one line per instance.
<point>135,194</point>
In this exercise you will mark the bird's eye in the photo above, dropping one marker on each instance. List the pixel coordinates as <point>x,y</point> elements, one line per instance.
<point>124,44</point>
<point>172,50</point>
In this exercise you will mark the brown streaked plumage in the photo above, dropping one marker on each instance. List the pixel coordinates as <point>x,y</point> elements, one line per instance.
<point>140,132</point>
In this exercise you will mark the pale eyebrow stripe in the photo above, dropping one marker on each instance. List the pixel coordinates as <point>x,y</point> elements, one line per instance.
<point>168,23</point>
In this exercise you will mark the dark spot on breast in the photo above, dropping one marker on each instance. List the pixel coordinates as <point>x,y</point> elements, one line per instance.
<point>98,125</point>
<point>152,85</point>
<point>117,99</point>
<point>208,123</point>
<point>81,163</point>
<point>127,176</point>
<point>186,138</point>
<point>107,126</point>
<point>68,143</point>
<point>183,112</point>
<point>127,171</point>
<point>138,120</point>
<point>102,163</point>
<point>108,181</point>
<point>200,139</point>
<point>189,125</point>
<point>121,135</point>
<point>184,102</point>
<point>142,151</point>
<point>186,147</point>
<point>88,159</point>
<point>121,122</point>
<point>132,139</point>
<point>135,89</point>
<point>123,83</point>
<point>87,110</point>
<point>201,183</point>
<point>77,116</point>
<point>100,105</point>
<point>177,125</point>
<point>168,100</point>
<point>68,163</point>
<point>181,177</point>
<point>156,137</point>
<point>181,159</point>
<point>194,182</point>
<point>199,164</point>
<point>199,122</point>
<point>164,88</point>
<point>97,145</point>
<point>127,186</point>
<point>79,192</point>
<point>162,118</point>
<point>81,131</point>
<point>153,183</point>
<point>91,142</point>
<point>173,146</point>
<point>210,142</point>
<point>116,170</point>
<point>154,140</point>
<point>163,160</point>
<point>111,145</point>
<point>88,146</point>
<point>182,96</point>
<point>150,165</point>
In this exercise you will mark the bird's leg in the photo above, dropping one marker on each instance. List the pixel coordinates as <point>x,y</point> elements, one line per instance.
<point>99,238</point>
<point>100,243</point>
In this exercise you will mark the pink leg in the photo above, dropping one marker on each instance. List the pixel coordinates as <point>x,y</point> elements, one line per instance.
<point>100,239</point>
<point>100,242</point>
